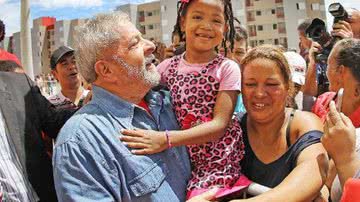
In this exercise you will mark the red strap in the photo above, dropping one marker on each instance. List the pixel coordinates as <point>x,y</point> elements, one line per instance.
<point>144,105</point>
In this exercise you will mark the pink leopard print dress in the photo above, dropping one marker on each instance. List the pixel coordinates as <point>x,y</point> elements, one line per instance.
<point>214,163</point>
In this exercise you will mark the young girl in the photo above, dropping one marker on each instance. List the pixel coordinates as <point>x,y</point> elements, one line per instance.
<point>204,87</point>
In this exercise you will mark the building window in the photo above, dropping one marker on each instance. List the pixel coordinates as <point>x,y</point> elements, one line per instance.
<point>142,29</point>
<point>150,26</point>
<point>281,28</point>
<point>252,30</point>
<point>149,14</point>
<point>273,11</point>
<point>315,6</point>
<point>280,12</point>
<point>300,6</point>
<point>253,43</point>
<point>261,42</point>
<point>250,15</point>
<point>260,28</point>
<point>141,16</point>
<point>163,8</point>
<point>258,13</point>
<point>274,26</point>
<point>276,41</point>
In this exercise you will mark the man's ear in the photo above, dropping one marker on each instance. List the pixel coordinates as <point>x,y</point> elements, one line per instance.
<point>357,90</point>
<point>103,70</point>
<point>55,74</point>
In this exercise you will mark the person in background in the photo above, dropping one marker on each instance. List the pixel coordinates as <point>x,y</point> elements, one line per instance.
<point>63,68</point>
<point>349,28</point>
<point>342,142</point>
<point>25,168</point>
<point>4,55</point>
<point>343,72</point>
<point>297,66</point>
<point>305,42</point>
<point>10,66</point>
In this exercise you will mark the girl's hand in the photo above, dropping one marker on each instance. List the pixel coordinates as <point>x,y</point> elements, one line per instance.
<point>144,141</point>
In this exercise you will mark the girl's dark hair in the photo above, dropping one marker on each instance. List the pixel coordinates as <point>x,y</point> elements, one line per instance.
<point>229,20</point>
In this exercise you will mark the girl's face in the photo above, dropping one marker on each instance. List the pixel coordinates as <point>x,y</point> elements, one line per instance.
<point>264,89</point>
<point>204,25</point>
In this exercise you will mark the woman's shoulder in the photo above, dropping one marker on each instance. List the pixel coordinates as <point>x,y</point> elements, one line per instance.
<point>305,122</point>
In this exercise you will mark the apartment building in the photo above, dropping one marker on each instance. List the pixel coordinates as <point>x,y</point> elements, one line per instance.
<point>146,17</point>
<point>275,21</point>
<point>65,32</point>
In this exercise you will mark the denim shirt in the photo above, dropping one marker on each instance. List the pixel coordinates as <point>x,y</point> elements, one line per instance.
<point>92,164</point>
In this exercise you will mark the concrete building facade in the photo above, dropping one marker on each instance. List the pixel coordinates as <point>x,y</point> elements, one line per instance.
<point>275,21</point>
<point>65,32</point>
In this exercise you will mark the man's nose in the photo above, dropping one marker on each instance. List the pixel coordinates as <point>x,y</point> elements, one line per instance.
<point>149,47</point>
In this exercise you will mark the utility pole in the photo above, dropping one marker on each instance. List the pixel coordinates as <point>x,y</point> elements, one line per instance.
<point>25,38</point>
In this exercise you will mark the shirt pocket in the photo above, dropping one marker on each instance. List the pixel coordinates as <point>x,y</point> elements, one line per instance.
<point>150,180</point>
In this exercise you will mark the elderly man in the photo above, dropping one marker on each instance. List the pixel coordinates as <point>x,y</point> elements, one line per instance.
<point>90,163</point>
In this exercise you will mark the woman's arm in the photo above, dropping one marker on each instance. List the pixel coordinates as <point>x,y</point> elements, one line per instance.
<point>304,182</point>
<point>149,142</point>
<point>308,177</point>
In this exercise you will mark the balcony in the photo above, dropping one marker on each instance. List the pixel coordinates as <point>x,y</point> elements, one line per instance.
<point>141,18</point>
<point>249,3</point>
<point>282,31</point>
<point>250,18</point>
<point>252,33</point>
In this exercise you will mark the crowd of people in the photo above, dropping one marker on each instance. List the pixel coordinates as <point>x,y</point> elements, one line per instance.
<point>208,118</point>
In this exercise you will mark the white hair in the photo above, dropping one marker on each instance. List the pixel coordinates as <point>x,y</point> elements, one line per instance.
<point>95,36</point>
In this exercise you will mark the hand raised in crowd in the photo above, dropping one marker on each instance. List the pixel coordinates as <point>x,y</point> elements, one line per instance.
<point>144,141</point>
<point>342,29</point>
<point>339,137</point>
<point>314,49</point>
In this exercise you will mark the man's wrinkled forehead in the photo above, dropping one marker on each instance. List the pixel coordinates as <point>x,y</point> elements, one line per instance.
<point>128,34</point>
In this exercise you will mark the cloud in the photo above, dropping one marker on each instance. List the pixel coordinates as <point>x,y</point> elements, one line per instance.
<point>53,4</point>
<point>10,15</point>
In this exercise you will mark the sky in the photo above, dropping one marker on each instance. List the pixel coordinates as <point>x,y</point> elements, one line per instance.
<point>71,9</point>
<point>61,9</point>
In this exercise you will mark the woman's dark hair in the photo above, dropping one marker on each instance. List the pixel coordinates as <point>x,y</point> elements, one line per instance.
<point>229,20</point>
<point>349,55</point>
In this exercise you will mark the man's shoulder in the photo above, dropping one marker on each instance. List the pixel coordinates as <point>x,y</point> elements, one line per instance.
<point>83,123</point>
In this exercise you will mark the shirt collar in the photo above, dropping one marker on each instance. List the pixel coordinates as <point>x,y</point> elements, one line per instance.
<point>122,110</point>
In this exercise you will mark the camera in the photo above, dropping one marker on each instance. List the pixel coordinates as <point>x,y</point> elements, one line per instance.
<point>317,32</point>
<point>338,11</point>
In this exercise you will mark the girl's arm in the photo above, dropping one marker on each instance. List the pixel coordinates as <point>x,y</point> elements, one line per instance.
<point>149,142</point>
